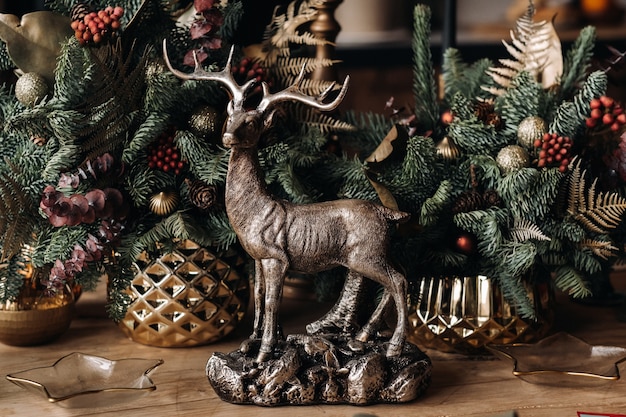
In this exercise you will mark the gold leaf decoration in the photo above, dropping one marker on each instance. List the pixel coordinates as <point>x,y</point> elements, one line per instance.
<point>523,230</point>
<point>603,249</point>
<point>34,41</point>
<point>535,48</point>
<point>595,212</point>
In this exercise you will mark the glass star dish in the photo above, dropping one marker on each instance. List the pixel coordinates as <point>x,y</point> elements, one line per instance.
<point>85,381</point>
<point>563,360</point>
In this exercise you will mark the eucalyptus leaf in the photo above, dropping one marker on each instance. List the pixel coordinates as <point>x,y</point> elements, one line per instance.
<point>34,42</point>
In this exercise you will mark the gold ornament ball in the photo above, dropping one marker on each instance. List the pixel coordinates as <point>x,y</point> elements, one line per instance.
<point>447,149</point>
<point>206,122</point>
<point>530,129</point>
<point>30,88</point>
<point>163,203</point>
<point>511,158</point>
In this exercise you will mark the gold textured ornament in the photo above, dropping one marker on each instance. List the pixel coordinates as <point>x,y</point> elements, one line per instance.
<point>529,130</point>
<point>447,149</point>
<point>511,158</point>
<point>464,314</point>
<point>163,203</point>
<point>188,297</point>
<point>206,122</point>
<point>30,89</point>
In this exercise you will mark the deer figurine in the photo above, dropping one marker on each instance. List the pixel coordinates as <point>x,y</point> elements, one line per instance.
<point>282,236</point>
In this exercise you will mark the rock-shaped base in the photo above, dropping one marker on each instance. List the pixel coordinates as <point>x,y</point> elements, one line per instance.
<point>326,369</point>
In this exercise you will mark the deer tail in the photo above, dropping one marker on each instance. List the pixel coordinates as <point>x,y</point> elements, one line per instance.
<point>394,215</point>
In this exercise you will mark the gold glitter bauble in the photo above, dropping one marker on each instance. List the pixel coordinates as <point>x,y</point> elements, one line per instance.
<point>511,158</point>
<point>163,203</point>
<point>530,129</point>
<point>206,122</point>
<point>30,88</point>
<point>447,149</point>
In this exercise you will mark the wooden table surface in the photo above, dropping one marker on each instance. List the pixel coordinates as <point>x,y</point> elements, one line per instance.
<point>461,385</point>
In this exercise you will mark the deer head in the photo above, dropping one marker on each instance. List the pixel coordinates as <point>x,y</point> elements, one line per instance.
<point>244,126</point>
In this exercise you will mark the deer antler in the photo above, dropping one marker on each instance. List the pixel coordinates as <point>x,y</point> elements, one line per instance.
<point>224,76</point>
<point>293,93</point>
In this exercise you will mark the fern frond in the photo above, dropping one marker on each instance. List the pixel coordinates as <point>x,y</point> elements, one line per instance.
<point>523,230</point>
<point>596,213</point>
<point>601,248</point>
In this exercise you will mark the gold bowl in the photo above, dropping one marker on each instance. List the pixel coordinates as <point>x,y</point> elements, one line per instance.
<point>85,381</point>
<point>563,360</point>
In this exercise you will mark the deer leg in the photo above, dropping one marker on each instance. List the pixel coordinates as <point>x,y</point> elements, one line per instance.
<point>398,284</point>
<point>344,314</point>
<point>373,324</point>
<point>259,300</point>
<point>274,271</point>
<point>395,287</point>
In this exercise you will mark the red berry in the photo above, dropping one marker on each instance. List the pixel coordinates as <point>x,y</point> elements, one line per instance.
<point>607,119</point>
<point>615,127</point>
<point>596,113</point>
<point>606,101</point>
<point>447,117</point>
<point>595,103</point>
<point>621,118</point>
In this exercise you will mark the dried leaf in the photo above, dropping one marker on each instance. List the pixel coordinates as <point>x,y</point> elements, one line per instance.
<point>34,42</point>
<point>392,146</point>
<point>385,196</point>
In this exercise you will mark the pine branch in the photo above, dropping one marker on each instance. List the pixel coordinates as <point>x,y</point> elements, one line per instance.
<point>568,279</point>
<point>434,206</point>
<point>424,85</point>
<point>577,62</point>
<point>208,163</point>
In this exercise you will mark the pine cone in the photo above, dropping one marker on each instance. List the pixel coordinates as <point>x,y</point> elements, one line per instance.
<point>468,201</point>
<point>201,194</point>
<point>483,109</point>
<point>486,113</point>
<point>491,199</point>
<point>79,11</point>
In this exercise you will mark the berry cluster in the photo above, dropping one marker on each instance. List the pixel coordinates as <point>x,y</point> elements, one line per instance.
<point>164,155</point>
<point>606,112</point>
<point>96,27</point>
<point>249,69</point>
<point>554,151</point>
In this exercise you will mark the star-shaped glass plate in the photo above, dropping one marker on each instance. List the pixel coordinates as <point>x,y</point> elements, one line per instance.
<point>85,381</point>
<point>563,360</point>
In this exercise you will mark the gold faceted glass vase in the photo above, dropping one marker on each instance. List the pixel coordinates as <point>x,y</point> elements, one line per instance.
<point>188,297</point>
<point>34,317</point>
<point>464,314</point>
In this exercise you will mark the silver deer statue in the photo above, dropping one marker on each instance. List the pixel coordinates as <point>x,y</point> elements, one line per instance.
<point>282,236</point>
